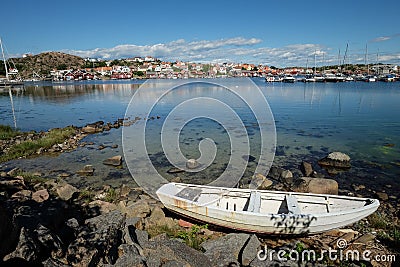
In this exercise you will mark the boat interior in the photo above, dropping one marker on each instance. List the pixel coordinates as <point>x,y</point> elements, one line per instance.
<point>267,202</point>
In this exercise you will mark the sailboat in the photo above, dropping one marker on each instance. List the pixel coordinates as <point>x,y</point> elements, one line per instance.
<point>8,83</point>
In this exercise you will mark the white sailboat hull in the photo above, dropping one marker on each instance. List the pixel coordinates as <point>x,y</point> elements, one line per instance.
<point>232,208</point>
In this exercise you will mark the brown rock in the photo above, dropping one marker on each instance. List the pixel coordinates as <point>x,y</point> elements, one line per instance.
<point>113,161</point>
<point>382,196</point>
<point>88,170</point>
<point>64,175</point>
<point>176,179</point>
<point>124,190</point>
<point>89,129</point>
<point>286,177</point>
<point>364,239</point>
<point>175,170</point>
<point>22,195</point>
<point>259,181</point>
<point>317,186</point>
<point>185,224</point>
<point>14,172</point>
<point>66,191</point>
<point>343,241</point>
<point>138,208</point>
<point>40,196</point>
<point>306,168</point>
<point>104,206</point>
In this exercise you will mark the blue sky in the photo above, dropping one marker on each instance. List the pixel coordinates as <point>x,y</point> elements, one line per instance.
<point>279,33</point>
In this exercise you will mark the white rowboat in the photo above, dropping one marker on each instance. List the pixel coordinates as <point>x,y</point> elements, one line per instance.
<point>261,211</point>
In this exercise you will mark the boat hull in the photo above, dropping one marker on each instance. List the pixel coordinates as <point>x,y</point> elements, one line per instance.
<point>278,224</point>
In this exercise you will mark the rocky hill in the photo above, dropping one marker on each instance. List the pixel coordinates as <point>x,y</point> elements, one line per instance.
<point>42,64</point>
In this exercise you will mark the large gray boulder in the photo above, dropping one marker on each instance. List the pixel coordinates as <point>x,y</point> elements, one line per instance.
<point>172,252</point>
<point>249,251</point>
<point>98,241</point>
<point>226,250</point>
<point>27,248</point>
<point>128,256</point>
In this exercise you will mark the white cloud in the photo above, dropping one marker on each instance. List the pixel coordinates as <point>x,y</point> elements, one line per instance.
<point>381,39</point>
<point>236,49</point>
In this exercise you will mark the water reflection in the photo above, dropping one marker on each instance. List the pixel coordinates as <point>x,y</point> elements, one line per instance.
<point>360,119</point>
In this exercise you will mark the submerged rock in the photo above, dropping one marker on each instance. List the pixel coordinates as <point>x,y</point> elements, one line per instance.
<point>192,164</point>
<point>175,170</point>
<point>88,170</point>
<point>113,161</point>
<point>382,196</point>
<point>336,160</point>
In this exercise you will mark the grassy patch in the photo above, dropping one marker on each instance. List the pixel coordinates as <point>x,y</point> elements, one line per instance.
<point>27,148</point>
<point>378,221</point>
<point>86,195</point>
<point>6,132</point>
<point>31,179</point>
<point>156,230</point>
<point>192,237</point>
<point>111,196</point>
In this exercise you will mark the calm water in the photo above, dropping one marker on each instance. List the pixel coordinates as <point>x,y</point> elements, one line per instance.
<point>357,118</point>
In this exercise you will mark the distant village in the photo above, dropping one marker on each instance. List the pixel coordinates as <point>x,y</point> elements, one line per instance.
<point>152,68</point>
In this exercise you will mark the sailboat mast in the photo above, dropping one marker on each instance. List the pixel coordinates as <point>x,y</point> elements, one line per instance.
<point>4,59</point>
<point>377,61</point>
<point>315,62</point>
<point>307,66</point>
<point>366,57</point>
<point>344,57</point>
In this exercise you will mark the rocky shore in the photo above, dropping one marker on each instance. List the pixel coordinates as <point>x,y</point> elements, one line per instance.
<point>47,221</point>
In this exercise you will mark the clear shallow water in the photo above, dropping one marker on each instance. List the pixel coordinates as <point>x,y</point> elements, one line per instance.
<point>357,118</point>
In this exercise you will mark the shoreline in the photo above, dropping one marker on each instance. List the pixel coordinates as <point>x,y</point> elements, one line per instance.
<point>133,208</point>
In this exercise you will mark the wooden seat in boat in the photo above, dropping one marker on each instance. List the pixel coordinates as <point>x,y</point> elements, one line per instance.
<point>254,202</point>
<point>292,204</point>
